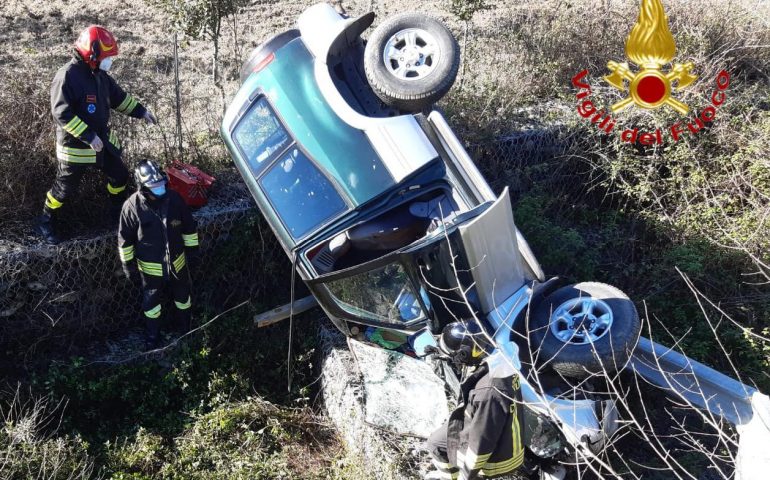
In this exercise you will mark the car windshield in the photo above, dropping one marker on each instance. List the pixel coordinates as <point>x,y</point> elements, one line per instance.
<point>299,193</point>
<point>383,294</point>
<point>260,136</point>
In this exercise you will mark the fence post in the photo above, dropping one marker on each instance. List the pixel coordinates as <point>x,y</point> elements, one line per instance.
<point>178,100</point>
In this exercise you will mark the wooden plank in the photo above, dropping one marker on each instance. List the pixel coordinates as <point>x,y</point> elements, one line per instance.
<point>282,313</point>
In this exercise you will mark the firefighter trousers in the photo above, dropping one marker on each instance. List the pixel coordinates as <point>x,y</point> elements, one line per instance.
<point>154,290</point>
<point>69,175</point>
<point>437,446</point>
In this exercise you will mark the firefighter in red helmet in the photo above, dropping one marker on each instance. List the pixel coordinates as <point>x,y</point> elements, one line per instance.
<point>82,95</point>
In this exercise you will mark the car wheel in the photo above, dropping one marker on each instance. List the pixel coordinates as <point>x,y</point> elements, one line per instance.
<point>411,61</point>
<point>583,329</point>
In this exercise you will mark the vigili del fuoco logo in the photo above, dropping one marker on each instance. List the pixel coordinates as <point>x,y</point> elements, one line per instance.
<point>650,84</point>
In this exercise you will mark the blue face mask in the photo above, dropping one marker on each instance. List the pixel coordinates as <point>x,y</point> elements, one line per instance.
<point>159,191</point>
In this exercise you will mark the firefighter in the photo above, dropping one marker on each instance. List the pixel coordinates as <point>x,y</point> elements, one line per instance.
<point>157,241</point>
<point>82,94</point>
<point>483,436</point>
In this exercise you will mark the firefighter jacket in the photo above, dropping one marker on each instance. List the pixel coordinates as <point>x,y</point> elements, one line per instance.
<point>484,431</point>
<point>156,233</point>
<point>81,100</point>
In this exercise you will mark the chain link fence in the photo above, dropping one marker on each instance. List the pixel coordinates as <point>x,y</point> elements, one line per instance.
<point>58,299</point>
<point>65,296</point>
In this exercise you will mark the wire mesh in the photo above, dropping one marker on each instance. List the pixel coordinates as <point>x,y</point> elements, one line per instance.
<point>64,296</point>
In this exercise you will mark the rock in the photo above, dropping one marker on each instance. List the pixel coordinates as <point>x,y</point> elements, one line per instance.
<point>383,403</point>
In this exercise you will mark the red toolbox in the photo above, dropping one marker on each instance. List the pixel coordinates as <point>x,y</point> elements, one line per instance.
<point>189,182</point>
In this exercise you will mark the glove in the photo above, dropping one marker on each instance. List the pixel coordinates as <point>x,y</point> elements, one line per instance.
<point>149,118</point>
<point>131,272</point>
<point>97,143</point>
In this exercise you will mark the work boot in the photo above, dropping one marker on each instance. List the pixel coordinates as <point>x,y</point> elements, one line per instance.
<point>45,228</point>
<point>152,333</point>
<point>182,321</point>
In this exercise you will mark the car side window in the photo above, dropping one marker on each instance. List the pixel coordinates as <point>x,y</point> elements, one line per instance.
<point>299,192</point>
<point>260,136</point>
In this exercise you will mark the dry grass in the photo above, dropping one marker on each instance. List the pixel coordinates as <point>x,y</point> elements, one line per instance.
<point>516,54</point>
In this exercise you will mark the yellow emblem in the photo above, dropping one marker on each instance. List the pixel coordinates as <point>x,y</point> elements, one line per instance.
<point>650,45</point>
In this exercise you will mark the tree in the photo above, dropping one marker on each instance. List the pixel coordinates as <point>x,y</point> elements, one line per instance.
<point>464,11</point>
<point>201,19</point>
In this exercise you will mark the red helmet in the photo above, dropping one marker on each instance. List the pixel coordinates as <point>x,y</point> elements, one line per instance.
<point>96,43</point>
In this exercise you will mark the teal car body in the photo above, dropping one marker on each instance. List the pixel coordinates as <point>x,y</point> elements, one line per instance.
<point>348,169</point>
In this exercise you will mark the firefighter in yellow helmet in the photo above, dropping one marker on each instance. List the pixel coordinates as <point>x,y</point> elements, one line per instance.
<point>82,95</point>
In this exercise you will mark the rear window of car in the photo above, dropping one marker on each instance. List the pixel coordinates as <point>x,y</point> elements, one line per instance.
<point>260,136</point>
<point>301,195</point>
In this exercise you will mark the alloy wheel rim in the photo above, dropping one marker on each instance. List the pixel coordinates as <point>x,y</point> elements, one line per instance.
<point>411,54</point>
<point>581,321</point>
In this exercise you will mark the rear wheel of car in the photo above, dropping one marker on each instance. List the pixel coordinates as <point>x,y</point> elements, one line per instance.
<point>411,61</point>
<point>583,329</point>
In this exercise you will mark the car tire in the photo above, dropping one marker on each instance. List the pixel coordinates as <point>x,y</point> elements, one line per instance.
<point>597,343</point>
<point>420,64</point>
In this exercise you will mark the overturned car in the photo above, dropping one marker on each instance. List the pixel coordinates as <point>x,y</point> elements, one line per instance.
<point>391,225</point>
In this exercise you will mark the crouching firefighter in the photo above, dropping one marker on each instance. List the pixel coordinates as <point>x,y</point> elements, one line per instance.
<point>483,435</point>
<point>157,241</point>
<point>82,94</point>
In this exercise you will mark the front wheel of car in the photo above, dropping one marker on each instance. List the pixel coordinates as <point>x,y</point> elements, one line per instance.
<point>584,329</point>
<point>411,61</point>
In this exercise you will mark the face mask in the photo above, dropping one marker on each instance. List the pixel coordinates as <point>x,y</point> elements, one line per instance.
<point>158,191</point>
<point>106,64</point>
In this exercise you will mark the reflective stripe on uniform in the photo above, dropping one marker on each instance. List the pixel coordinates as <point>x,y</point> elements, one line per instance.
<point>446,470</point>
<point>126,253</point>
<point>518,448</point>
<point>113,139</point>
<point>150,268</point>
<point>190,239</point>
<point>127,105</point>
<point>185,305</point>
<point>517,453</point>
<point>153,312</point>
<point>471,460</point>
<point>51,202</point>
<point>499,468</point>
<point>114,190</point>
<point>75,155</point>
<point>180,262</point>
<point>75,127</point>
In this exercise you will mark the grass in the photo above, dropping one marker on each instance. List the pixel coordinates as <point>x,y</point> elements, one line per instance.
<point>204,410</point>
